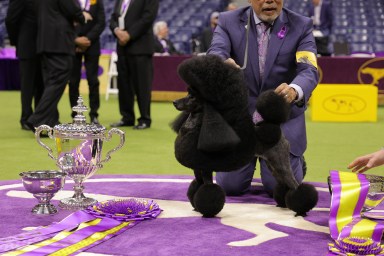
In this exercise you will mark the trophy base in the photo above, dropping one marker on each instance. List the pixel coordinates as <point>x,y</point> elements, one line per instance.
<point>76,204</point>
<point>44,209</point>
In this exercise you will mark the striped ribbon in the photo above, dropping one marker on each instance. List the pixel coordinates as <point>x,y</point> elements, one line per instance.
<point>82,229</point>
<point>353,234</point>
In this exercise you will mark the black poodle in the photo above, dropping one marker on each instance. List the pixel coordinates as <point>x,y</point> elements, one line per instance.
<point>217,133</point>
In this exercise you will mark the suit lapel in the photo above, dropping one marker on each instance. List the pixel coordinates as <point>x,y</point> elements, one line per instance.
<point>275,42</point>
<point>253,49</point>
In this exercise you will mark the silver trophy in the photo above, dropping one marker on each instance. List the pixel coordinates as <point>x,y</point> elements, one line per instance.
<point>43,185</point>
<point>79,146</point>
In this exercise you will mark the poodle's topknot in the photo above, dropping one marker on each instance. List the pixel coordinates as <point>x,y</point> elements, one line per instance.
<point>217,82</point>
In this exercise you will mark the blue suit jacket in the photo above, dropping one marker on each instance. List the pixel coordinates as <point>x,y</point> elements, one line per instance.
<point>229,41</point>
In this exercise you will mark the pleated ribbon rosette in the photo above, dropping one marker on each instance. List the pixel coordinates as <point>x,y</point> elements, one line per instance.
<point>82,229</point>
<point>355,231</point>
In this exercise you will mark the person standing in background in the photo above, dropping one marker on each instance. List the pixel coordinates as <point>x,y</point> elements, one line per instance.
<point>56,44</point>
<point>231,6</point>
<point>321,13</point>
<point>163,46</point>
<point>276,50</point>
<point>206,35</point>
<point>21,24</point>
<point>131,23</point>
<point>88,48</point>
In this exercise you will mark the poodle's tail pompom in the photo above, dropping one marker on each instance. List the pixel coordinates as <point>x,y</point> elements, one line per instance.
<point>179,121</point>
<point>209,200</point>
<point>302,200</point>
<point>273,107</point>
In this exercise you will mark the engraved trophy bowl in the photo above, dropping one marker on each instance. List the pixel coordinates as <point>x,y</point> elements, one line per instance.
<point>375,194</point>
<point>79,152</point>
<point>43,185</point>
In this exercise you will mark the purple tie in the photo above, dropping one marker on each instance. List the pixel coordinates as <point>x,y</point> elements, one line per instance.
<point>263,39</point>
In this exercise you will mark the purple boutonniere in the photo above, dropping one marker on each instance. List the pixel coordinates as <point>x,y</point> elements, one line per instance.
<point>282,32</point>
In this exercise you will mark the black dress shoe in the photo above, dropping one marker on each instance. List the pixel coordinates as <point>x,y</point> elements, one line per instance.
<point>122,123</point>
<point>141,126</point>
<point>94,120</point>
<point>30,127</point>
<point>24,126</point>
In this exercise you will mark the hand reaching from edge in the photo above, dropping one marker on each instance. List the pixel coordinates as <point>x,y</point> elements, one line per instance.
<point>363,163</point>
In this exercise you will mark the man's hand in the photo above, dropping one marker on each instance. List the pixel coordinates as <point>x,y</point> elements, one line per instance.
<point>289,93</point>
<point>82,43</point>
<point>231,62</point>
<point>123,36</point>
<point>87,16</point>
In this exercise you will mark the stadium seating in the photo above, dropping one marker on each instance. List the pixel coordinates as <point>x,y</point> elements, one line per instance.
<point>356,22</point>
<point>359,23</point>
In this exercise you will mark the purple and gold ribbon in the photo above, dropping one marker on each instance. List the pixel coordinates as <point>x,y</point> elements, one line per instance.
<point>82,229</point>
<point>353,234</point>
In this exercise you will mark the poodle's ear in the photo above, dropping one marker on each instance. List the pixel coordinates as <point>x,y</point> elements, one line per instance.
<point>215,133</point>
<point>179,121</point>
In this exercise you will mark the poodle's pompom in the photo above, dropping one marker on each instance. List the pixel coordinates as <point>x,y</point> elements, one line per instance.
<point>279,194</point>
<point>209,200</point>
<point>302,200</point>
<point>179,121</point>
<point>273,107</point>
<point>193,187</point>
<point>267,133</point>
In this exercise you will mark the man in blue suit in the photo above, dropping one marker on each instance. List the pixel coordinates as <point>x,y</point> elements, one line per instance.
<point>287,65</point>
<point>321,13</point>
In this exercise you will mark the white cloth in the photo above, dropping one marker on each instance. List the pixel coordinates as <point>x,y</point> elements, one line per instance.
<point>123,12</point>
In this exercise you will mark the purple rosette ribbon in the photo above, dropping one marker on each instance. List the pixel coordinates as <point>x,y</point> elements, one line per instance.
<point>350,246</point>
<point>131,209</point>
<point>83,229</point>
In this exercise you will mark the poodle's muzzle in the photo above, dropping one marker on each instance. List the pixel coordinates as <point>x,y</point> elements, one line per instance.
<point>189,104</point>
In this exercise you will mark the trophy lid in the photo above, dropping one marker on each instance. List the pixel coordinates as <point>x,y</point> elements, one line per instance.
<point>79,129</point>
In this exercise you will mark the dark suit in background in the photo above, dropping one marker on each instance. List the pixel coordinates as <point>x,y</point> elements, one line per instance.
<point>91,31</point>
<point>325,26</point>
<point>55,43</point>
<point>168,49</point>
<point>21,24</point>
<point>135,64</point>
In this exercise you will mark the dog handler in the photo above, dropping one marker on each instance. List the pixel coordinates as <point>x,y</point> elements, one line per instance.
<point>276,50</point>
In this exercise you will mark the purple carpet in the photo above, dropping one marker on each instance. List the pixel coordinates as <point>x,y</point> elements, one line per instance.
<point>248,225</point>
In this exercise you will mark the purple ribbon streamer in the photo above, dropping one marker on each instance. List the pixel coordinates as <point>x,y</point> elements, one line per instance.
<point>335,204</point>
<point>68,223</point>
<point>77,236</point>
<point>356,217</point>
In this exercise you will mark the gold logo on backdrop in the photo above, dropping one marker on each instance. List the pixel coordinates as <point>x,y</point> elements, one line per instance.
<point>344,104</point>
<point>372,72</point>
<point>93,2</point>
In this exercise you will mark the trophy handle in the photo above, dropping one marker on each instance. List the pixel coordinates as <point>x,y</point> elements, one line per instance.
<point>122,140</point>
<point>37,135</point>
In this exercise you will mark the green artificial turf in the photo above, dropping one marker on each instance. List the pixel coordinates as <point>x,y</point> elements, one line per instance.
<point>331,146</point>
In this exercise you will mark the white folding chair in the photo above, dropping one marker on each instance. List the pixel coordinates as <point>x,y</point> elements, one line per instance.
<point>112,76</point>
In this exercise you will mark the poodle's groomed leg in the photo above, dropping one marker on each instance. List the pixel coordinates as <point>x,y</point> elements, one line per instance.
<point>209,198</point>
<point>194,186</point>
<point>277,159</point>
<point>299,198</point>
